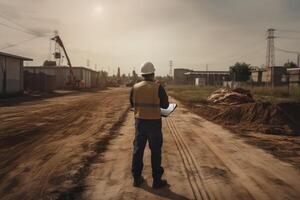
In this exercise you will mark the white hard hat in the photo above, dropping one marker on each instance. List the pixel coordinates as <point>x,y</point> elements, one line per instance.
<point>147,68</point>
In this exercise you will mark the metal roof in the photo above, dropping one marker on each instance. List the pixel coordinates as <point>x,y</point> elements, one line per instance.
<point>206,72</point>
<point>15,56</point>
<point>59,67</point>
<point>294,69</point>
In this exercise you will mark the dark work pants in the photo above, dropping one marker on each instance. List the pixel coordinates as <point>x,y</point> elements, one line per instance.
<point>147,130</point>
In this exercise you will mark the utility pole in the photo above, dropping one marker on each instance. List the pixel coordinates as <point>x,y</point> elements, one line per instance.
<point>171,68</point>
<point>206,67</point>
<point>270,59</point>
<point>298,60</point>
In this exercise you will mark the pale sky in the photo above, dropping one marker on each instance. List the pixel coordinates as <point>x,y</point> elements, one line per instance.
<point>125,33</point>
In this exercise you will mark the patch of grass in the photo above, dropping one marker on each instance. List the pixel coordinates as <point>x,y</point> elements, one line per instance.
<point>295,93</point>
<point>278,94</point>
<point>199,94</point>
<point>191,94</point>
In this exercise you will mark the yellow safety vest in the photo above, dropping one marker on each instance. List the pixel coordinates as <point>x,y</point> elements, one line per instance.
<point>146,100</point>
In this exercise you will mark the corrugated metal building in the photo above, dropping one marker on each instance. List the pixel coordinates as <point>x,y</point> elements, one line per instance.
<point>62,75</point>
<point>207,77</point>
<point>11,74</point>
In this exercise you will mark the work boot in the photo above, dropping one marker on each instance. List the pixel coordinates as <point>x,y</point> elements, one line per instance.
<point>138,181</point>
<point>159,183</point>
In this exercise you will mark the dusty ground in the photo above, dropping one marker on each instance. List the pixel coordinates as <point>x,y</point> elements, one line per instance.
<point>202,161</point>
<point>47,144</point>
<point>78,146</point>
<point>283,146</point>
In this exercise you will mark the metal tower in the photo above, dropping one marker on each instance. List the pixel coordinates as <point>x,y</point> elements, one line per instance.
<point>171,68</point>
<point>270,60</point>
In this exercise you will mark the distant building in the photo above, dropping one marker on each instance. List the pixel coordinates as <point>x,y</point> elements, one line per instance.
<point>61,75</point>
<point>278,77</point>
<point>207,77</point>
<point>264,76</point>
<point>191,77</point>
<point>293,75</point>
<point>256,75</point>
<point>179,75</point>
<point>11,74</point>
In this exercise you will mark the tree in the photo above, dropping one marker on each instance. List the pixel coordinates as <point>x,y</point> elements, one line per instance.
<point>240,72</point>
<point>290,65</point>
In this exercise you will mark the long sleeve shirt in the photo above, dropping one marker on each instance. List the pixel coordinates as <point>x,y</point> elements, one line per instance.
<point>164,100</point>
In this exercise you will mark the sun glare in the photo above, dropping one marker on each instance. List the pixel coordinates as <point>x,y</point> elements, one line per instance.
<point>98,9</point>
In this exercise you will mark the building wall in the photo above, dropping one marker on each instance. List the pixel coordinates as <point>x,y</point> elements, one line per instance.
<point>14,73</point>
<point>200,81</point>
<point>256,76</point>
<point>294,77</point>
<point>94,79</point>
<point>208,79</point>
<point>13,79</point>
<point>62,75</point>
<point>279,73</point>
<point>2,62</point>
<point>179,77</point>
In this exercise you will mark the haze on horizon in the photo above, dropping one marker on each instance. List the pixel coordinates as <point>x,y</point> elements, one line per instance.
<point>125,33</point>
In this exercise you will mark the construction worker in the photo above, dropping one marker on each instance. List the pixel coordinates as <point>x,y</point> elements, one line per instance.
<point>147,97</point>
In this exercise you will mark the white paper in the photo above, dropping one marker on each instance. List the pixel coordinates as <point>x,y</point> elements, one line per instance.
<point>169,110</point>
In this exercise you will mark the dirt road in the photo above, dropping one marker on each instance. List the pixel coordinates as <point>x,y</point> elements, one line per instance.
<point>47,145</point>
<point>202,160</point>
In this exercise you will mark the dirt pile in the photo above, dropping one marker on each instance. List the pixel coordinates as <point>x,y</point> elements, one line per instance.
<point>281,118</point>
<point>226,96</point>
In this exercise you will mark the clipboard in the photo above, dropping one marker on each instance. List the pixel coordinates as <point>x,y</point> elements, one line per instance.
<point>169,110</point>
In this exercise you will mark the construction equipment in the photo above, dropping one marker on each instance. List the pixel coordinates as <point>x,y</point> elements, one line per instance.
<point>73,82</point>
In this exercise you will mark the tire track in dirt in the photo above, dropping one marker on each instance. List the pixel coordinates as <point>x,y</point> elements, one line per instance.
<point>231,168</point>
<point>248,183</point>
<point>100,147</point>
<point>194,175</point>
<point>52,142</point>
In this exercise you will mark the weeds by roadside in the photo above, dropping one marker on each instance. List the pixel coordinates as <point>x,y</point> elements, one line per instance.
<point>199,94</point>
<point>191,94</point>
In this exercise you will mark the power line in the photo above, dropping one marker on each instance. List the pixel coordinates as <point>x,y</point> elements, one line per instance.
<point>13,28</point>
<point>28,31</point>
<point>287,51</point>
<point>21,42</point>
<point>290,31</point>
<point>287,37</point>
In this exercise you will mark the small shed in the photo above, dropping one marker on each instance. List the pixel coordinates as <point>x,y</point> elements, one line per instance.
<point>11,74</point>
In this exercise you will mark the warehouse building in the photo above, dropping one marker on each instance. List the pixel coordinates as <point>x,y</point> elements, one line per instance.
<point>11,74</point>
<point>191,77</point>
<point>58,76</point>
<point>202,78</point>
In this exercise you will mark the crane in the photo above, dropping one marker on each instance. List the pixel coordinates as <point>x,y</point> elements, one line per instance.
<point>72,79</point>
